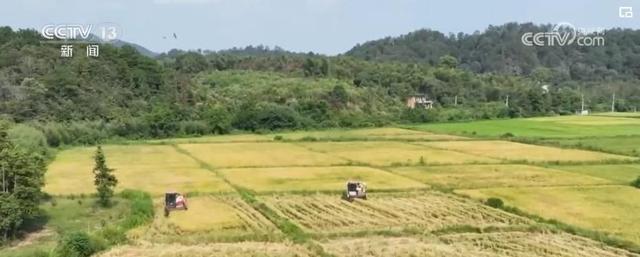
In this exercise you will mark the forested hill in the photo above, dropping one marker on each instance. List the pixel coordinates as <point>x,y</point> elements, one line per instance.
<point>499,49</point>
<point>125,94</point>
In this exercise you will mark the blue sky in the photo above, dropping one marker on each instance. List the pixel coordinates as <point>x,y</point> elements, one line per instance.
<point>321,26</point>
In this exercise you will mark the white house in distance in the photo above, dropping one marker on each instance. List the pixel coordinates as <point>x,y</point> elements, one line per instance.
<point>419,101</point>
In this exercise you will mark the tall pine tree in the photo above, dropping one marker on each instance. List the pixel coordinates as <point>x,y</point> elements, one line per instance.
<point>105,181</point>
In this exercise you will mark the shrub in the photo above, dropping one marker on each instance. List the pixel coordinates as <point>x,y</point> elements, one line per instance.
<point>77,244</point>
<point>308,139</point>
<point>29,139</point>
<point>278,138</point>
<point>113,235</point>
<point>636,183</point>
<point>507,135</point>
<point>141,208</point>
<point>267,116</point>
<point>421,161</point>
<point>495,202</point>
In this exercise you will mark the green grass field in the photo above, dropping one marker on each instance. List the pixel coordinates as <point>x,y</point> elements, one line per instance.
<point>66,215</point>
<point>548,127</point>
<point>315,178</point>
<point>618,114</point>
<point>612,209</point>
<point>484,176</point>
<point>628,145</point>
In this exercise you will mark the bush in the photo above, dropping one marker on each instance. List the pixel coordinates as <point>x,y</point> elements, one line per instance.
<point>507,135</point>
<point>29,139</point>
<point>77,244</point>
<point>273,117</point>
<point>113,235</point>
<point>308,139</point>
<point>636,183</point>
<point>495,202</point>
<point>278,138</point>
<point>141,208</point>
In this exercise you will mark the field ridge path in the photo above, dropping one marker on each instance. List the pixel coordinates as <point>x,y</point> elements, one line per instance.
<point>288,228</point>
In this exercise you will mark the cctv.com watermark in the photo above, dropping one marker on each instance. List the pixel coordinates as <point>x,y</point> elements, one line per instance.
<point>565,34</point>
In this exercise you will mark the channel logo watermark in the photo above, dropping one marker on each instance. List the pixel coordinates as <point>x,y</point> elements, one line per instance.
<point>84,32</point>
<point>565,34</point>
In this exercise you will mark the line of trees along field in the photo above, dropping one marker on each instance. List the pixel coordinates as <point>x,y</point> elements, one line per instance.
<point>21,177</point>
<point>123,94</point>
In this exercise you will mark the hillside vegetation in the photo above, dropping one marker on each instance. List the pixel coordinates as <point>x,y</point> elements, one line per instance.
<point>123,94</point>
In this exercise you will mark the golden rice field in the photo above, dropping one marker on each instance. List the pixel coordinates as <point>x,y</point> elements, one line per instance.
<point>300,181</point>
<point>241,249</point>
<point>236,155</point>
<point>315,178</point>
<point>428,210</point>
<point>513,151</point>
<point>503,244</point>
<point>384,153</point>
<point>151,168</point>
<point>506,175</point>
<point>612,209</point>
<point>621,174</point>
<point>214,216</point>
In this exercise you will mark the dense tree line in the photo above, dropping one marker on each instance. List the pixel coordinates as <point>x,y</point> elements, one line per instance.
<point>123,94</point>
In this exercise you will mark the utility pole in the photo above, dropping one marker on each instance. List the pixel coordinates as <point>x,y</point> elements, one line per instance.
<point>507,101</point>
<point>582,105</point>
<point>613,103</point>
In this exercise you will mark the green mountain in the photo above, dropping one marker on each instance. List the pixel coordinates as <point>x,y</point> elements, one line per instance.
<point>125,94</point>
<point>500,49</point>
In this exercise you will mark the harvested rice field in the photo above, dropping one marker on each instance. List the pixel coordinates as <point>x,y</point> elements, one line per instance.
<point>427,210</point>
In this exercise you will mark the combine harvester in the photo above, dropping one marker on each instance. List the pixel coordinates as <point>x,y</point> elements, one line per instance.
<point>356,189</point>
<point>174,201</point>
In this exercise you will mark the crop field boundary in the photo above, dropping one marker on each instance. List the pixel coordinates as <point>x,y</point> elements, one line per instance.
<point>537,163</point>
<point>405,164</point>
<point>295,233</point>
<point>270,138</point>
<point>289,229</point>
<point>309,240</point>
<point>537,140</point>
<point>554,142</point>
<point>299,236</point>
<point>554,224</point>
<point>349,161</point>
